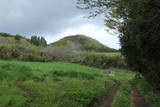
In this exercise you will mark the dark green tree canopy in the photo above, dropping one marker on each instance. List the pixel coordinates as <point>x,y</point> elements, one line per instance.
<point>138,22</point>
<point>38,41</point>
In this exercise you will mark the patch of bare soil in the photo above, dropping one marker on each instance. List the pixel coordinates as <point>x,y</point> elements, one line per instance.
<point>138,98</point>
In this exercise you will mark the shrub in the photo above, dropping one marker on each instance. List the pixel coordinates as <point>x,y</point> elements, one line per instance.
<point>104,61</point>
<point>74,74</point>
<point>23,53</point>
<point>17,37</point>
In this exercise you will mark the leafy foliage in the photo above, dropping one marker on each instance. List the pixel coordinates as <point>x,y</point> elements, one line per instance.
<point>19,52</point>
<point>104,60</point>
<point>38,41</point>
<point>138,24</point>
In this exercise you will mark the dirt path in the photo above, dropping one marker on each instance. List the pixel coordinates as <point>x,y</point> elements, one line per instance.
<point>138,99</point>
<point>109,98</point>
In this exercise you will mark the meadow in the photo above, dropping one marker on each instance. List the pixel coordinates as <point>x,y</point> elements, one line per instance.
<point>54,84</point>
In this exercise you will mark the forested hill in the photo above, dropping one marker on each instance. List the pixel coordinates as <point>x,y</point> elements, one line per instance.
<point>84,43</point>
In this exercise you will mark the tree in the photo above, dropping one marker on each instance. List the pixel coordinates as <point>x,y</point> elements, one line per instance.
<point>43,41</point>
<point>138,22</point>
<point>17,37</point>
<point>38,41</point>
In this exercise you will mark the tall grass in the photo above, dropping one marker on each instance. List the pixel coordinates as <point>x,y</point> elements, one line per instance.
<point>57,84</point>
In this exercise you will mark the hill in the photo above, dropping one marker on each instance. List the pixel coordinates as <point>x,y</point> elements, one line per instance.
<point>78,49</point>
<point>20,48</point>
<point>83,43</point>
<point>8,39</point>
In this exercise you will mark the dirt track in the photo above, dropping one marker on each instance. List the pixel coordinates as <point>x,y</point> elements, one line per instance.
<point>138,99</point>
<point>109,98</point>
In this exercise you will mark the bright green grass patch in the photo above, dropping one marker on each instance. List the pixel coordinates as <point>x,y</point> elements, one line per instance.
<point>123,97</point>
<point>11,95</point>
<point>56,84</point>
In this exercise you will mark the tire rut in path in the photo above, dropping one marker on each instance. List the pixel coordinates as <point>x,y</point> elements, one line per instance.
<point>138,98</point>
<point>109,98</point>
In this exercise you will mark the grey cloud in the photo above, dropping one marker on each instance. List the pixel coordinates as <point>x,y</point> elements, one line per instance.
<point>35,16</point>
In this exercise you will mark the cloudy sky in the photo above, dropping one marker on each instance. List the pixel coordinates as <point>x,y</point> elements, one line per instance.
<point>52,19</point>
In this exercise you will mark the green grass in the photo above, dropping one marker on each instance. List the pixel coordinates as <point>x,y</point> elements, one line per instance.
<point>123,97</point>
<point>56,84</point>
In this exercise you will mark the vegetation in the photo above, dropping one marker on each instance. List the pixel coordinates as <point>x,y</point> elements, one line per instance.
<point>18,52</point>
<point>83,43</point>
<point>137,22</point>
<point>68,49</point>
<point>53,84</point>
<point>104,60</point>
<point>38,41</point>
<point>62,84</point>
<point>152,95</point>
<point>123,98</point>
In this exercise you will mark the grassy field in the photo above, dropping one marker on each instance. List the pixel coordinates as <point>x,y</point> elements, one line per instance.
<point>56,84</point>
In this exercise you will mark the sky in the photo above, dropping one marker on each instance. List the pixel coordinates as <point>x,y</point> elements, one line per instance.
<point>52,19</point>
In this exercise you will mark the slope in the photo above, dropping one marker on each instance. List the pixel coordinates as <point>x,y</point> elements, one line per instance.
<point>83,43</point>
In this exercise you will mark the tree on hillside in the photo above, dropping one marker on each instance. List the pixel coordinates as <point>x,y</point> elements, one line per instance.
<point>38,41</point>
<point>17,37</point>
<point>138,22</point>
<point>43,42</point>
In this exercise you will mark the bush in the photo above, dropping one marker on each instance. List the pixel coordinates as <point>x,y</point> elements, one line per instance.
<point>17,37</point>
<point>104,61</point>
<point>23,53</point>
<point>73,74</point>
